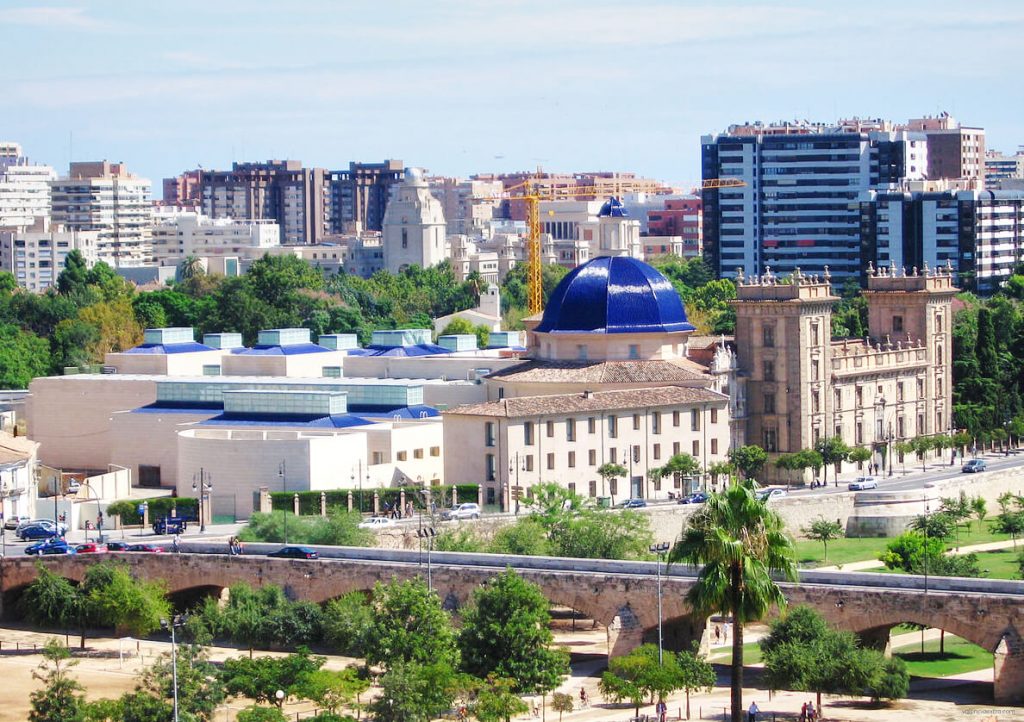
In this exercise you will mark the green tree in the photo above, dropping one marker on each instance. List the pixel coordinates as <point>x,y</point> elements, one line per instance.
<point>824,530</point>
<point>121,601</point>
<point>640,675</point>
<point>346,620</point>
<point>415,693</point>
<point>505,632</point>
<point>260,678</point>
<point>191,267</point>
<point>70,344</point>
<point>681,465</point>
<point>200,690</point>
<point>1009,522</point>
<point>73,279</point>
<point>908,550</point>
<point>409,626</point>
<point>720,468</point>
<point>561,703</point>
<point>609,473</point>
<point>261,714</point>
<point>497,701</point>
<point>8,283</point>
<point>748,460</point>
<point>140,706</point>
<point>334,690</point>
<point>940,525</point>
<point>695,675</point>
<point>834,452</point>
<point>527,537</point>
<point>859,455</point>
<point>458,326</point>
<point>51,601</point>
<point>23,356</point>
<point>921,445</point>
<point>740,545</point>
<point>601,534</point>
<point>980,509</point>
<point>60,699</point>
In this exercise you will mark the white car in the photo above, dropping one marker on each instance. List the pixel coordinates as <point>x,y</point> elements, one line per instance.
<point>14,522</point>
<point>376,522</point>
<point>462,511</point>
<point>863,482</point>
<point>770,494</point>
<point>61,527</point>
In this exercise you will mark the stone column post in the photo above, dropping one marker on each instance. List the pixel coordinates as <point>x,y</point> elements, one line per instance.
<point>350,500</point>
<point>323,503</point>
<point>265,506</point>
<point>376,503</point>
<point>295,503</point>
<point>480,496</point>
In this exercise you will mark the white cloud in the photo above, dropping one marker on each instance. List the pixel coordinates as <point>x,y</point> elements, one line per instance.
<point>50,17</point>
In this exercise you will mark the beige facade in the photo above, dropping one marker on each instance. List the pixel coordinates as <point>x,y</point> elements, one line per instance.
<point>305,365</point>
<point>803,386</point>
<point>414,226</point>
<point>565,438</point>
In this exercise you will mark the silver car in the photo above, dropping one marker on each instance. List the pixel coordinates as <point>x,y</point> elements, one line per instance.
<point>863,482</point>
<point>462,511</point>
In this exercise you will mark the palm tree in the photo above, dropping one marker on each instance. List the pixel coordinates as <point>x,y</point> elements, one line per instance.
<point>739,543</point>
<point>191,267</point>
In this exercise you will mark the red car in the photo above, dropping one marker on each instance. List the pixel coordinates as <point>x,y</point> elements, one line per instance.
<point>149,548</point>
<point>90,548</point>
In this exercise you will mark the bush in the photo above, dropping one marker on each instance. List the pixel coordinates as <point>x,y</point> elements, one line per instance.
<point>128,509</point>
<point>309,501</point>
<point>341,528</point>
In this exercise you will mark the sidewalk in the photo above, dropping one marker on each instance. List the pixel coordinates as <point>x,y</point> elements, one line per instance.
<point>869,564</point>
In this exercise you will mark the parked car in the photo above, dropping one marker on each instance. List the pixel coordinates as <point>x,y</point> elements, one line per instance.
<point>376,522</point>
<point>90,548</point>
<point>61,526</point>
<point>53,545</point>
<point>696,498</point>
<point>462,511</point>
<point>148,548</point>
<point>863,482</point>
<point>974,466</point>
<point>169,525</point>
<point>770,493</point>
<point>37,531</point>
<point>634,504</point>
<point>116,546</point>
<point>73,486</point>
<point>14,522</point>
<point>295,553</point>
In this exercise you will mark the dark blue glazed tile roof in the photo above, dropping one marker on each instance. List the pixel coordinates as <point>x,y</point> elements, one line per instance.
<point>168,348</point>
<point>613,208</point>
<point>614,295</point>
<point>292,350</point>
<point>423,349</point>
<point>340,421</point>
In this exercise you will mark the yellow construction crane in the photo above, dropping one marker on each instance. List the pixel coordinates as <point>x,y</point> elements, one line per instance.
<point>532,195</point>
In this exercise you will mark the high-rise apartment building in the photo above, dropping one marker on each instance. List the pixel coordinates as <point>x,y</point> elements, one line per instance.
<point>104,197</point>
<point>955,152</point>
<point>359,196</point>
<point>683,217</point>
<point>468,204</point>
<point>979,234</point>
<point>183,191</point>
<point>36,255</point>
<point>1000,167</point>
<point>278,190</point>
<point>24,188</point>
<point>176,236</point>
<point>797,206</point>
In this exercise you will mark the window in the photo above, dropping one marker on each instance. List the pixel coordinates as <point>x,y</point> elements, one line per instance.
<point>768,335</point>
<point>572,487</point>
<point>656,453</point>
<point>938,388</point>
<point>634,351</point>
<point>591,425</point>
<point>859,393</point>
<point>613,427</point>
<point>714,416</point>
<point>899,391</point>
<point>551,462</point>
<point>675,448</point>
<point>694,420</point>
<point>920,424</point>
<point>401,455</point>
<point>570,429</point>
<point>528,433</point>
<point>613,486</point>
<point>489,464</point>
<point>900,431</point>
<point>417,453</point>
<point>405,238</point>
<point>696,448</point>
<point>769,370</point>
<point>435,450</point>
<point>675,418</point>
<point>550,429</point>
<point>378,457</point>
<point>859,435</point>
<point>816,402</point>
<point>769,403</point>
<point>581,352</point>
<point>593,488</point>
<point>636,422</point>
<point>815,370</point>
<point>592,457</point>
<point>636,454</point>
<point>897,324</point>
<point>572,460</point>
<point>838,400</point>
<point>655,422</point>
<point>920,389</point>
<point>815,334</point>
<point>613,455</point>
<point>529,462</point>
<point>714,446</point>
<point>771,440</point>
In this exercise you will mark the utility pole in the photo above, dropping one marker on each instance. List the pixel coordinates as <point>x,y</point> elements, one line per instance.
<point>660,550</point>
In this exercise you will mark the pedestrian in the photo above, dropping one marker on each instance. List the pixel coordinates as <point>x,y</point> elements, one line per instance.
<point>812,714</point>
<point>662,710</point>
<point>238,546</point>
<point>176,544</point>
<point>752,712</point>
<point>231,546</point>
<point>803,712</point>
<point>583,698</point>
<point>718,634</point>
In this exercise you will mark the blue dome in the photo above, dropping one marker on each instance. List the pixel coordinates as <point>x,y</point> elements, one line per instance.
<point>613,207</point>
<point>614,295</point>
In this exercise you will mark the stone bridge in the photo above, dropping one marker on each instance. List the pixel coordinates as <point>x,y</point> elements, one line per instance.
<point>622,596</point>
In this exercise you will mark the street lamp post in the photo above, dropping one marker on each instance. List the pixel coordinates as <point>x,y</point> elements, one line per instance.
<point>515,465</point>
<point>282,471</point>
<point>202,485</point>
<point>660,550</point>
<point>177,621</point>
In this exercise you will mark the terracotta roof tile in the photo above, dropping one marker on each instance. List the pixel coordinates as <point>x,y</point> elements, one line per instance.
<point>602,372</point>
<point>523,406</point>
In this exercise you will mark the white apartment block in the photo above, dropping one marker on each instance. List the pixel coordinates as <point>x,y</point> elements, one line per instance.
<point>468,205</point>
<point>36,256</point>
<point>176,236</point>
<point>106,198</point>
<point>24,192</point>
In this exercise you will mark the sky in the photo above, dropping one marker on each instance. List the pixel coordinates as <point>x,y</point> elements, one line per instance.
<point>467,86</point>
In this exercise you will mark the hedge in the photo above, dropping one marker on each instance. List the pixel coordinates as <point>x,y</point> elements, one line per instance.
<point>309,501</point>
<point>128,509</point>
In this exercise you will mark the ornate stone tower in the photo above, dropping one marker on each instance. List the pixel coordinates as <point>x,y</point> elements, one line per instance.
<point>414,226</point>
<point>783,345</point>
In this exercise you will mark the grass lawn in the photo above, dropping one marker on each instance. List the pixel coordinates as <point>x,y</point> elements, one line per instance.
<point>1000,563</point>
<point>751,655</point>
<point>846,550</point>
<point>960,656</point>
